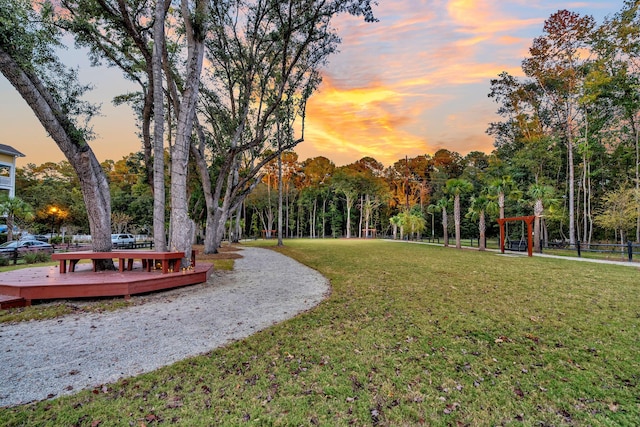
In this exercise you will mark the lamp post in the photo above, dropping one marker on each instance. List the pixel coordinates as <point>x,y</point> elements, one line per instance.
<point>52,211</point>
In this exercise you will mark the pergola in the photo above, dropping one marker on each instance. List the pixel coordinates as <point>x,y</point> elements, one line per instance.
<point>529,220</point>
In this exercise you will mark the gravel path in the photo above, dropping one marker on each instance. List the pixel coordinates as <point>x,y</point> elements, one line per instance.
<point>43,359</point>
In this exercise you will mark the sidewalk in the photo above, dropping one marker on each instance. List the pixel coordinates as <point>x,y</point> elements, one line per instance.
<point>541,255</point>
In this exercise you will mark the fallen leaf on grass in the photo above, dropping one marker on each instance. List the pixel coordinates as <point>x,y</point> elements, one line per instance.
<point>451,407</point>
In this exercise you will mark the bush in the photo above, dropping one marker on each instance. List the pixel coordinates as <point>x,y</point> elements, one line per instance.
<point>4,261</point>
<point>36,257</point>
<point>56,240</point>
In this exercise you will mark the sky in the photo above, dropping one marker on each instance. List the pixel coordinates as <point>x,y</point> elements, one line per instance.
<point>411,84</point>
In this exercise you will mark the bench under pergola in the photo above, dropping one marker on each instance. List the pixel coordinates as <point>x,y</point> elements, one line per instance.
<point>528,220</point>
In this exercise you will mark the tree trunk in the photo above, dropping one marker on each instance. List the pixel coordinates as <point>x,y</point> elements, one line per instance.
<point>637,170</point>
<point>445,225</point>
<point>349,203</point>
<point>238,235</point>
<point>323,215</point>
<point>159,229</point>
<point>456,219</point>
<point>537,211</point>
<point>279,194</point>
<point>482,226</point>
<point>571,178</point>
<point>93,182</point>
<point>360,221</point>
<point>182,227</point>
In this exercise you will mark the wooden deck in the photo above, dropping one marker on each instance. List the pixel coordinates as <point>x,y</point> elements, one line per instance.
<point>20,287</point>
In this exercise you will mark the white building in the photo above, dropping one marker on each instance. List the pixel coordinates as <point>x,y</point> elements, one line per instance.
<point>8,156</point>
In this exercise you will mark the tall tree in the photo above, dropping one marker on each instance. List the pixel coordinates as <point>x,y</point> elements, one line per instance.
<point>27,59</point>
<point>441,206</point>
<point>14,209</point>
<point>557,64</point>
<point>500,188</point>
<point>480,206</point>
<point>618,211</point>
<point>345,183</point>
<point>265,60</point>
<point>456,187</point>
<point>155,81</point>
<point>542,195</point>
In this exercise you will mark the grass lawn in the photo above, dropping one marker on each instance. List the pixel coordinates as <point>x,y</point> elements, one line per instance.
<point>411,334</point>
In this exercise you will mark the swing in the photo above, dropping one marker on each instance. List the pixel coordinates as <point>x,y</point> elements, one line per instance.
<point>522,244</point>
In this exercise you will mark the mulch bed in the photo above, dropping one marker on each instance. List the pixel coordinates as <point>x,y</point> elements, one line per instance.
<point>227,251</point>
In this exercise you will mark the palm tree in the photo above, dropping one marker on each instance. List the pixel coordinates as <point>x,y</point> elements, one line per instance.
<point>456,187</point>
<point>414,223</point>
<point>542,195</point>
<point>441,206</point>
<point>395,223</point>
<point>501,187</point>
<point>480,206</point>
<point>14,208</point>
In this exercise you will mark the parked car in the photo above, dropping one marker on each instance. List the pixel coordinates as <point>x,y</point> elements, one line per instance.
<point>25,246</point>
<point>122,240</point>
<point>34,237</point>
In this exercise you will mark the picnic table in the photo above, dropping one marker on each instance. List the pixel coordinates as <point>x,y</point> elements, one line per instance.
<point>168,260</point>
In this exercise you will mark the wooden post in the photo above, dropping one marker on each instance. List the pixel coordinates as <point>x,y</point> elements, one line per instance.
<point>501,222</point>
<point>530,236</point>
<point>529,220</point>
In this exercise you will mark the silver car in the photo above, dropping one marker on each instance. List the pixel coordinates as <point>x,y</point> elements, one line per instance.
<point>25,246</point>
<point>122,240</point>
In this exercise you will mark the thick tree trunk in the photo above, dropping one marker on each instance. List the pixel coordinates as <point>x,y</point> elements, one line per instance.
<point>182,226</point>
<point>159,229</point>
<point>93,182</point>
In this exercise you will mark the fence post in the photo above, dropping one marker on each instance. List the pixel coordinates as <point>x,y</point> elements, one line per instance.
<point>630,250</point>
<point>578,247</point>
<point>15,256</point>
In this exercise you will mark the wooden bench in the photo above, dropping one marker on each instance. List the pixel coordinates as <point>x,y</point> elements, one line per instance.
<point>169,260</point>
<point>517,245</point>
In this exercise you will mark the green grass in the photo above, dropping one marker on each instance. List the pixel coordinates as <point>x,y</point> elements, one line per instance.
<point>52,310</point>
<point>411,335</point>
<point>21,264</point>
<point>224,264</point>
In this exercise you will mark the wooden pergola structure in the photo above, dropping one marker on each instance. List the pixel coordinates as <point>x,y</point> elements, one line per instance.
<point>529,220</point>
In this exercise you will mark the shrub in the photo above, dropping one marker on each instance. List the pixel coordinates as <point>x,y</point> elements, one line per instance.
<point>4,261</point>
<point>36,257</point>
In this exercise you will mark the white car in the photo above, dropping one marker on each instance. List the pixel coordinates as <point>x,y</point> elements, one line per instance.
<point>122,240</point>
